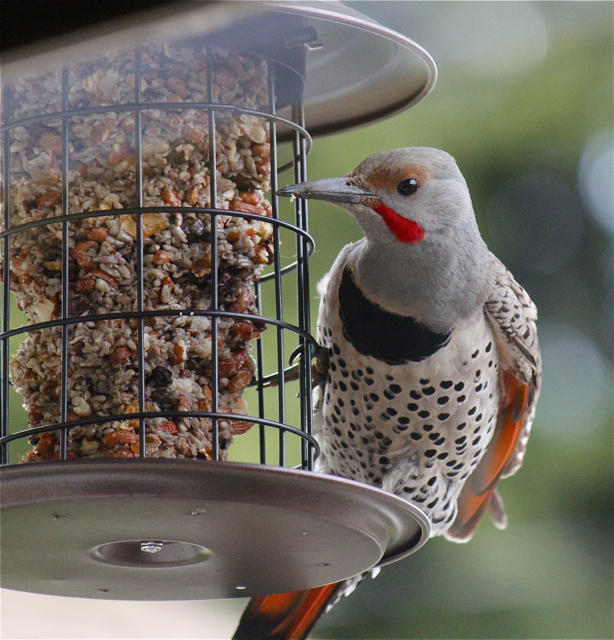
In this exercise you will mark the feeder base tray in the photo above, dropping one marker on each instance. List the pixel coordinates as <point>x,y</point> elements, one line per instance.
<point>190,530</point>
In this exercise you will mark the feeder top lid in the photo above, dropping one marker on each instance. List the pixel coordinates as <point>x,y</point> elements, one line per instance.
<point>362,72</point>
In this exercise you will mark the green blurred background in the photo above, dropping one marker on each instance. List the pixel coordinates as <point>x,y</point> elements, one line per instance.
<point>524,103</point>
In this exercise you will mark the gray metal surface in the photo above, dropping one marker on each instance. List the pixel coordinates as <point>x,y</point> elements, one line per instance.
<point>363,72</point>
<point>181,530</point>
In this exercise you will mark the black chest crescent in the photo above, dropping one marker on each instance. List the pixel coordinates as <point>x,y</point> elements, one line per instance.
<point>389,337</point>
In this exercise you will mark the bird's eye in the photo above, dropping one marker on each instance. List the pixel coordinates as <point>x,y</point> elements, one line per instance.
<point>408,186</point>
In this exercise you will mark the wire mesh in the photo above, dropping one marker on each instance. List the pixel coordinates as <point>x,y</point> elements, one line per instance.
<point>285,317</point>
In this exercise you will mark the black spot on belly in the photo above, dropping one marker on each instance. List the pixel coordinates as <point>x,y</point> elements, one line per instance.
<point>390,337</point>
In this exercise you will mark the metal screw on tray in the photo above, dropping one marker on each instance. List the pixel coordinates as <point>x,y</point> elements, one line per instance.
<point>141,241</point>
<point>151,547</point>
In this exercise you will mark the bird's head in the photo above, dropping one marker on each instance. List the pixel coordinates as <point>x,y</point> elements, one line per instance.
<point>411,196</point>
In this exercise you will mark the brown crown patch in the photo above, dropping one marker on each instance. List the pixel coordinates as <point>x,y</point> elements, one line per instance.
<point>389,177</point>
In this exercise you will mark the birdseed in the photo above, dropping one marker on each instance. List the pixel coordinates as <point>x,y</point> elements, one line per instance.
<point>103,367</point>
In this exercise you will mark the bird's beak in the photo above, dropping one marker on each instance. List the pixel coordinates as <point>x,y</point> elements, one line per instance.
<point>330,189</point>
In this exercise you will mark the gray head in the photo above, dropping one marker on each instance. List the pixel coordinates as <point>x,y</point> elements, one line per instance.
<point>421,236</point>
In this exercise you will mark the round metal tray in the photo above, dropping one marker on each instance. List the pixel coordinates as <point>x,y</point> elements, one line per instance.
<point>188,530</point>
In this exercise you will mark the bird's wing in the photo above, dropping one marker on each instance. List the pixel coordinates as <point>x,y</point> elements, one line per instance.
<point>284,616</point>
<point>513,317</point>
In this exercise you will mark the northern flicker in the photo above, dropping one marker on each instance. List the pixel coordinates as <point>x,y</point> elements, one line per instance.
<point>433,360</point>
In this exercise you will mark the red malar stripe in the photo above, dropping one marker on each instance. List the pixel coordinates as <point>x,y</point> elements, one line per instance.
<point>405,230</point>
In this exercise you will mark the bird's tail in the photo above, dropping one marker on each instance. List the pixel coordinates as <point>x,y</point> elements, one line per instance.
<point>284,616</point>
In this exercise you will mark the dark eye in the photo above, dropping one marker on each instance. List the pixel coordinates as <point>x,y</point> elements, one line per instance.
<point>407,187</point>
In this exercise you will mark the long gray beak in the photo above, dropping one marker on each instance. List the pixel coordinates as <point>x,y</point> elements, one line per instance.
<point>330,189</point>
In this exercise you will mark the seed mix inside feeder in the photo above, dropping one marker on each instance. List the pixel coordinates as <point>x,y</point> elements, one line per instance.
<point>115,168</point>
<point>103,159</point>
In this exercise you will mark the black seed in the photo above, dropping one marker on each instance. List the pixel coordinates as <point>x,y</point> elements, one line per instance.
<point>335,419</point>
<point>415,395</point>
<point>429,453</point>
<point>424,413</point>
<point>445,384</point>
<point>434,436</point>
<point>424,381</point>
<point>460,440</point>
<point>478,373</point>
<point>488,347</point>
<point>369,370</point>
<point>388,394</point>
<point>472,410</point>
<point>368,380</point>
<point>412,406</point>
<point>432,481</point>
<point>442,456</point>
<point>354,386</point>
<point>440,441</point>
<point>342,363</point>
<point>395,388</point>
<point>479,417</point>
<point>403,420</point>
<point>344,373</point>
<point>459,386</point>
<point>343,386</point>
<point>478,387</point>
<point>428,427</point>
<point>461,398</point>
<point>443,416</point>
<point>401,427</point>
<point>430,505</point>
<point>475,353</point>
<point>476,441</point>
<point>379,435</point>
<point>355,411</point>
<point>374,397</point>
<point>337,431</point>
<point>442,399</point>
<point>415,436</point>
<point>336,349</point>
<point>428,391</point>
<point>332,366</point>
<point>461,426</point>
<point>391,412</point>
<point>161,376</point>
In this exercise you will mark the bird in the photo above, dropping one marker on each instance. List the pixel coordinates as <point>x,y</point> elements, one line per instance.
<point>433,363</point>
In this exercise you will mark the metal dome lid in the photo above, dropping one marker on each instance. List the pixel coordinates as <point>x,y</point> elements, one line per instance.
<point>362,72</point>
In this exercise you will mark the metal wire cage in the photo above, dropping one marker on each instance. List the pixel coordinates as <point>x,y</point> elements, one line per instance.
<point>70,114</point>
<point>156,306</point>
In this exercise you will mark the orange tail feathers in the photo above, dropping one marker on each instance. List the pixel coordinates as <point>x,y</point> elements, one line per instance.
<point>284,616</point>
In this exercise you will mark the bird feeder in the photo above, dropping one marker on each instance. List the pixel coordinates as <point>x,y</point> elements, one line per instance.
<point>154,291</point>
